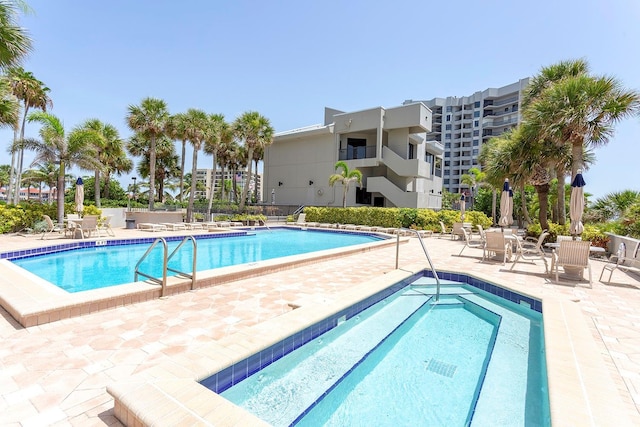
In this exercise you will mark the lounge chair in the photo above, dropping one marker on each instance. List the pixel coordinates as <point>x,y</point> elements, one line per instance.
<point>623,261</point>
<point>469,242</point>
<point>529,251</point>
<point>150,226</point>
<point>51,227</point>
<point>194,225</point>
<point>496,244</point>
<point>573,256</point>
<point>174,226</point>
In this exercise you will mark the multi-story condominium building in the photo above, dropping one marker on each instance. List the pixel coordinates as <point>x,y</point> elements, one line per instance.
<point>463,124</point>
<point>400,167</point>
<point>206,177</point>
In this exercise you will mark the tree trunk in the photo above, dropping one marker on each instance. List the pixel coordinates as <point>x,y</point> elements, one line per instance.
<point>96,187</point>
<point>61,173</point>
<point>494,202</point>
<point>523,200</point>
<point>21,154</point>
<point>11,188</point>
<point>576,155</point>
<point>107,181</point>
<point>245,187</point>
<point>152,172</point>
<point>213,187</point>
<point>192,193</point>
<point>543,199</point>
<point>562,210</point>
<point>184,148</point>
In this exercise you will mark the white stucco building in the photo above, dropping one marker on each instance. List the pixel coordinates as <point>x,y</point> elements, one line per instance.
<point>388,145</point>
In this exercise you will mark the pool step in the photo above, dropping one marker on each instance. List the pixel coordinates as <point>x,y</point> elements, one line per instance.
<point>316,367</point>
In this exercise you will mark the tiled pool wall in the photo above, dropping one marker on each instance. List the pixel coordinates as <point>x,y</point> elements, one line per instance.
<point>233,374</point>
<point>102,242</point>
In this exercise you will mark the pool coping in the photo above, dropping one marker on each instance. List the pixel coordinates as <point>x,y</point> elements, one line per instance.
<point>33,301</point>
<point>581,392</point>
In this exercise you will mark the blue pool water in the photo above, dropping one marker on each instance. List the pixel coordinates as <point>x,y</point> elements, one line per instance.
<point>471,359</point>
<point>100,266</point>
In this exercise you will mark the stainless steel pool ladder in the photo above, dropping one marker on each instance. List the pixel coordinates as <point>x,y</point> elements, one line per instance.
<point>424,248</point>
<point>165,263</point>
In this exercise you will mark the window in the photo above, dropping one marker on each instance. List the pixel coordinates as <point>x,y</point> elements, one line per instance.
<point>476,114</point>
<point>447,136</point>
<point>448,117</point>
<point>438,167</point>
<point>476,142</point>
<point>448,108</point>
<point>475,151</point>
<point>447,127</point>
<point>447,145</point>
<point>446,181</point>
<point>476,133</point>
<point>476,104</point>
<point>476,123</point>
<point>447,154</point>
<point>412,151</point>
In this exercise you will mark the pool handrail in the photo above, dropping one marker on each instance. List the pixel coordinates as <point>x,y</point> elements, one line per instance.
<point>191,276</point>
<point>433,270</point>
<point>165,252</point>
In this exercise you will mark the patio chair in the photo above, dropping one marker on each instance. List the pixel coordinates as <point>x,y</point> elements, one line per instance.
<point>470,243</point>
<point>621,261</point>
<point>106,226</point>
<point>573,256</point>
<point>88,226</point>
<point>457,230</point>
<point>481,232</point>
<point>51,227</point>
<point>496,244</point>
<point>528,251</point>
<point>443,229</point>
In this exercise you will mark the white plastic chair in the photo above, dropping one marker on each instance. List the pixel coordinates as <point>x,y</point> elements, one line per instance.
<point>469,242</point>
<point>572,255</point>
<point>530,252</point>
<point>497,244</point>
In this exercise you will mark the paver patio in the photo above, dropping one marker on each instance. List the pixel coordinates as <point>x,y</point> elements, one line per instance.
<point>56,373</point>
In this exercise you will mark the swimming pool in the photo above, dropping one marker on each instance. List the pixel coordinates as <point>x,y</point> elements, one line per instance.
<point>471,359</point>
<point>86,268</point>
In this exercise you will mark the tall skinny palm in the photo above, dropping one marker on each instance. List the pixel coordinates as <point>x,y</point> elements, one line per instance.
<point>256,131</point>
<point>149,119</point>
<point>345,176</point>
<point>220,136</point>
<point>33,94</point>
<point>197,130</point>
<point>176,130</point>
<point>74,149</point>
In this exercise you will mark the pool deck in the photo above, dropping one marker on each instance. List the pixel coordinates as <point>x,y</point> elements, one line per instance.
<point>57,373</point>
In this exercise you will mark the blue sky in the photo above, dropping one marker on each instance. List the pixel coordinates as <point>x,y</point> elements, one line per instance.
<point>290,59</point>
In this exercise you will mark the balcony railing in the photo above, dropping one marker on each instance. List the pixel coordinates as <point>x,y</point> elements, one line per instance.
<point>355,153</point>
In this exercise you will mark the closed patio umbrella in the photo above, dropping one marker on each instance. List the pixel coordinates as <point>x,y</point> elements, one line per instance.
<point>79,199</point>
<point>576,204</point>
<point>462,207</point>
<point>506,205</point>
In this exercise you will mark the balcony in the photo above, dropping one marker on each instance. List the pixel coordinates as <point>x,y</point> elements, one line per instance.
<point>356,153</point>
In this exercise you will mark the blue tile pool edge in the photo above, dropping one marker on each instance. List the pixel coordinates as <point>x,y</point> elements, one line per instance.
<point>239,371</point>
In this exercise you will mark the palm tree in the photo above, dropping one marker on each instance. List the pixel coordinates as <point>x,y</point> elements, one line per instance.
<point>473,179</point>
<point>166,165</point>
<point>218,141</point>
<point>33,94</point>
<point>176,130</point>
<point>197,129</point>
<point>149,119</point>
<point>256,131</point>
<point>15,43</point>
<point>47,172</point>
<point>580,110</point>
<point>70,150</point>
<point>107,143</point>
<point>345,177</point>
